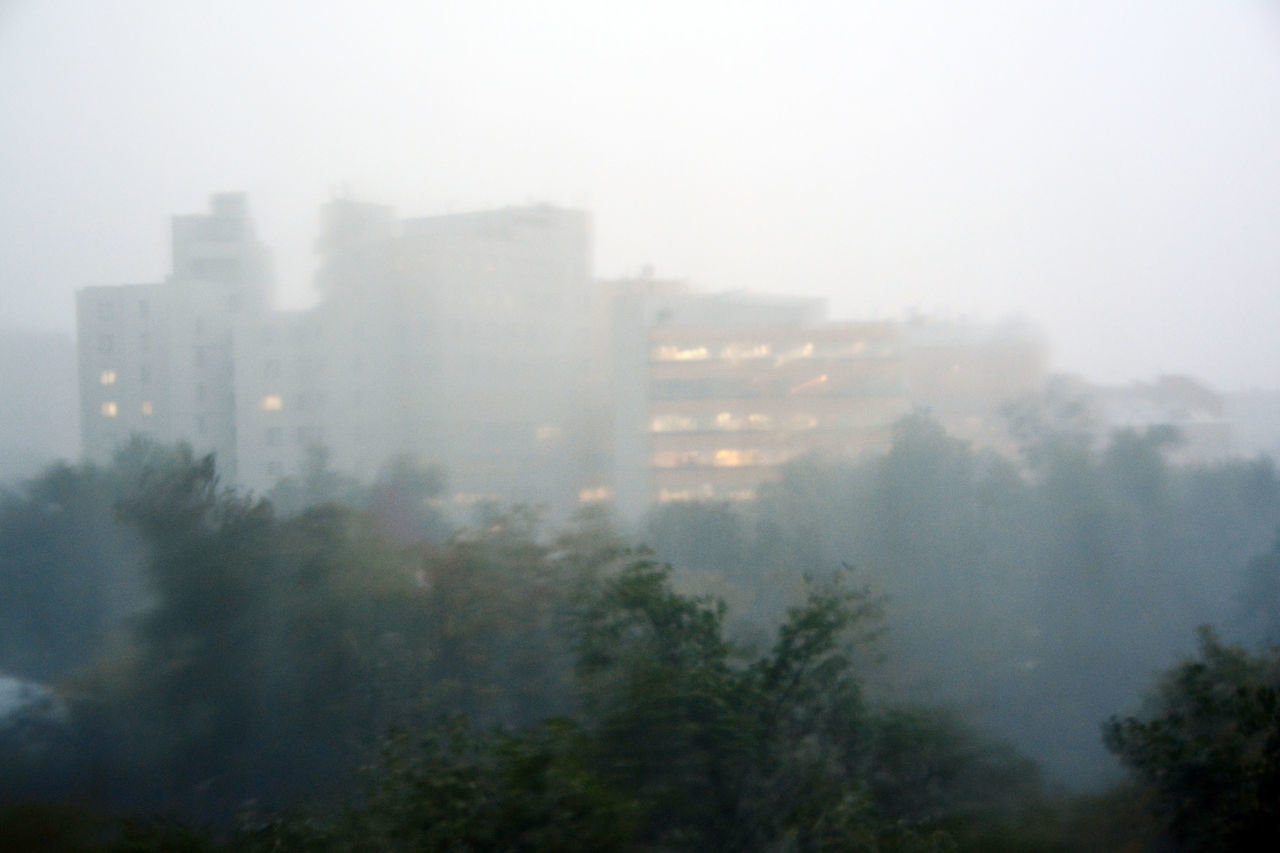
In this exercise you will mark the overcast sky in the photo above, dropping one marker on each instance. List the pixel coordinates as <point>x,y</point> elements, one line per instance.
<point>1107,168</point>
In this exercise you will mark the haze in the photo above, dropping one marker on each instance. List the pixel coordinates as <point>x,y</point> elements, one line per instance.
<point>1107,169</point>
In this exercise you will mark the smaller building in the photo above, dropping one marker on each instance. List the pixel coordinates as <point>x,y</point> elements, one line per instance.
<point>963,374</point>
<point>714,393</point>
<point>157,359</point>
<point>1196,412</point>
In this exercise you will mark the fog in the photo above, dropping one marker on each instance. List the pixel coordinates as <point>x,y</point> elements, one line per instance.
<point>1105,169</point>
<point>648,426</point>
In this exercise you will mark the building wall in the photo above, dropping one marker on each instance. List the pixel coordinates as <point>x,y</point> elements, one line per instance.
<point>730,406</point>
<point>964,374</point>
<point>38,402</point>
<point>714,393</point>
<point>124,350</point>
<point>157,359</point>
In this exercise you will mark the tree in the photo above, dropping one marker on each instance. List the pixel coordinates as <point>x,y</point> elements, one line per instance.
<point>1259,600</point>
<point>1207,748</point>
<point>70,572</point>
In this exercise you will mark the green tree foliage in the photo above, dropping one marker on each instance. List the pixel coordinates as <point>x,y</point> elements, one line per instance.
<point>1259,598</point>
<point>679,744</point>
<point>315,485</point>
<point>265,656</point>
<point>589,703</point>
<point>1033,595</point>
<point>1207,748</point>
<point>69,570</point>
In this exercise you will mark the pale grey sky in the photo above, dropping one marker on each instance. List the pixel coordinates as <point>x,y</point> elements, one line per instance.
<point>1108,168</point>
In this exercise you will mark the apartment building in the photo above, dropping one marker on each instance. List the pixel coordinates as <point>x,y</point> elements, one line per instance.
<point>715,393</point>
<point>481,342</point>
<point>462,340</point>
<point>157,359</point>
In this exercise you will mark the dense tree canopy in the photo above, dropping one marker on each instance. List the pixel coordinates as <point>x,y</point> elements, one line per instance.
<point>1207,747</point>
<point>212,650</point>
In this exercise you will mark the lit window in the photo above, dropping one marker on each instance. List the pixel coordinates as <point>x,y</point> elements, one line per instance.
<point>737,352</point>
<point>600,493</point>
<point>675,353</point>
<point>802,351</point>
<point>736,458</point>
<point>147,408</point>
<point>811,385</point>
<point>673,423</point>
<point>272,403</point>
<point>548,433</point>
<point>726,420</point>
<point>108,377</point>
<point>110,409</point>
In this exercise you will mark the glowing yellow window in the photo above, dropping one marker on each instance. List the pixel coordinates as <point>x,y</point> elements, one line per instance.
<point>735,458</point>
<point>272,403</point>
<point>110,409</point>
<point>147,408</point>
<point>675,353</point>
<point>108,377</point>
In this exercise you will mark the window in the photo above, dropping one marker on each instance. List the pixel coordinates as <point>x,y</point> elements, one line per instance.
<point>104,310</point>
<point>273,437</point>
<point>676,353</point>
<point>106,344</point>
<point>144,373</point>
<point>108,377</point>
<point>735,458</point>
<point>110,409</point>
<point>147,409</point>
<point>272,403</point>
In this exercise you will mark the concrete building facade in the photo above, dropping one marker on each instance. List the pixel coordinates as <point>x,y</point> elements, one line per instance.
<point>157,359</point>
<point>715,393</point>
<point>482,343</point>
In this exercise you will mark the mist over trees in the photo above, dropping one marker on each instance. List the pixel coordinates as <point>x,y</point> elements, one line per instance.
<point>1036,598</point>
<point>912,651</point>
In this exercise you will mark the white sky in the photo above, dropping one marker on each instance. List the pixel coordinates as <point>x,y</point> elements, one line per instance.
<point>1107,168</point>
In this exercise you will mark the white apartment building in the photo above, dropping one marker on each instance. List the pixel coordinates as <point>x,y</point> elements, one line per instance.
<point>157,359</point>
<point>480,342</point>
<point>462,340</point>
